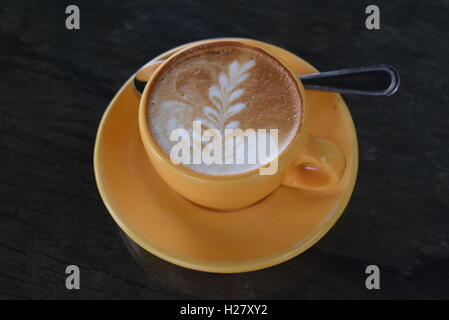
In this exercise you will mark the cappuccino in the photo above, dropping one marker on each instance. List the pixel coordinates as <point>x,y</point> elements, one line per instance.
<point>225,86</point>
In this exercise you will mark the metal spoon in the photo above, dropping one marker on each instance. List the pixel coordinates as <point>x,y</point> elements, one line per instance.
<point>376,80</point>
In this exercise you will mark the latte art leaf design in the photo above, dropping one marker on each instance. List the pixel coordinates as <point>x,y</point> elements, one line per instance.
<point>223,95</point>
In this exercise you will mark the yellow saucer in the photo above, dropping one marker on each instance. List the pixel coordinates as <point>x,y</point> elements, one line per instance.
<point>281,226</point>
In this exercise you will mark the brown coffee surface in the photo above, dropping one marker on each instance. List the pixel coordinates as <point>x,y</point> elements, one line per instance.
<point>225,86</point>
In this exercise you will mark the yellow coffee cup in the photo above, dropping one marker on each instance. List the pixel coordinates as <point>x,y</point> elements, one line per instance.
<point>309,162</point>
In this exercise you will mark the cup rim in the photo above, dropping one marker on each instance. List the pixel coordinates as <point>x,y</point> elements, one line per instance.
<point>153,146</point>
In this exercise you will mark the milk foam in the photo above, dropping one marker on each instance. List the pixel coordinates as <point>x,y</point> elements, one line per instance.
<point>225,87</point>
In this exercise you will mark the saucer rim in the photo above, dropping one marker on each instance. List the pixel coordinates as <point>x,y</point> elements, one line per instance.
<point>217,266</point>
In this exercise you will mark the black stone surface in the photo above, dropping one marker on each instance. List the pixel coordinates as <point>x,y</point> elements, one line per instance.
<point>56,83</point>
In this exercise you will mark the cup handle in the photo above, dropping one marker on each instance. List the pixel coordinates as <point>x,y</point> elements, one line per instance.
<point>319,166</point>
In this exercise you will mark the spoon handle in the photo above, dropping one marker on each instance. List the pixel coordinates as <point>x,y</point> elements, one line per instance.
<point>377,80</point>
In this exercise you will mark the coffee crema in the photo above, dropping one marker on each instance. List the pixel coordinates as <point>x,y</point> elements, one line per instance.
<point>224,86</point>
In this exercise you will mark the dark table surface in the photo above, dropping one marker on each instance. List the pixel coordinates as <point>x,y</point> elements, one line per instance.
<point>56,83</point>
